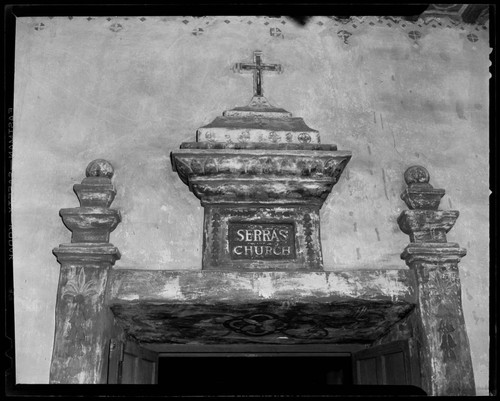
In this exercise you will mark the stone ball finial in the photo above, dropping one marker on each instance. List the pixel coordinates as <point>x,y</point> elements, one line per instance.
<point>420,195</point>
<point>100,168</point>
<point>416,175</point>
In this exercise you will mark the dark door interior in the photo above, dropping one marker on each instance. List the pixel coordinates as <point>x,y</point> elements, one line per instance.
<point>389,369</point>
<point>280,374</point>
<point>256,374</point>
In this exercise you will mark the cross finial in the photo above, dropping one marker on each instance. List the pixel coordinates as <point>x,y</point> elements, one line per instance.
<point>257,68</point>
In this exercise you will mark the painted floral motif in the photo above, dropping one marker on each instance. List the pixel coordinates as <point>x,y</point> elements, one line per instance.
<point>276,33</point>
<point>116,27</point>
<point>215,244</point>
<point>201,325</point>
<point>344,35</point>
<point>360,312</point>
<point>445,283</point>
<point>255,325</point>
<point>472,37</point>
<point>308,235</point>
<point>244,136</point>
<point>304,137</point>
<point>261,326</point>
<point>299,327</point>
<point>209,137</point>
<point>415,35</point>
<point>305,327</point>
<point>289,137</point>
<point>274,137</point>
<point>447,342</point>
<point>79,290</point>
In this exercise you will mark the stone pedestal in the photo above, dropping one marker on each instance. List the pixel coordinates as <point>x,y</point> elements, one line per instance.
<point>84,324</point>
<point>444,348</point>
<point>261,205</point>
<point>262,177</point>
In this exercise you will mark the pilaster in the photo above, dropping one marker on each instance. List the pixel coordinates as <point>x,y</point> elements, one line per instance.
<point>444,348</point>
<point>84,323</point>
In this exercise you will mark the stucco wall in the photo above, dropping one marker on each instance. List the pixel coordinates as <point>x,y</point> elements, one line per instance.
<point>130,90</point>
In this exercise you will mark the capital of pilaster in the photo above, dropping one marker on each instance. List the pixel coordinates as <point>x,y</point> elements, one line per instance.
<point>88,255</point>
<point>432,253</point>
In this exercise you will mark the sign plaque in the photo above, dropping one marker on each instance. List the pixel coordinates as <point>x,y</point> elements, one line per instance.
<point>266,241</point>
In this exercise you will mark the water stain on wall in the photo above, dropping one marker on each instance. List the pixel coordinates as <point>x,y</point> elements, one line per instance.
<point>459,107</point>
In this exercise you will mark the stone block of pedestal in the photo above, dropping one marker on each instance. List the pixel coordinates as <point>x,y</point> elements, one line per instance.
<point>261,205</point>
<point>262,238</point>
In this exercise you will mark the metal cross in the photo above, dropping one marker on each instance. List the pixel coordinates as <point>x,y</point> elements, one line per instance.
<point>257,67</point>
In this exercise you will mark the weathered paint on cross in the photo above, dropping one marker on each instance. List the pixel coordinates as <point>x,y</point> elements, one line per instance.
<point>257,67</point>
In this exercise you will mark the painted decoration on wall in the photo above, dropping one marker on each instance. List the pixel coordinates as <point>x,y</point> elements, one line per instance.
<point>78,289</point>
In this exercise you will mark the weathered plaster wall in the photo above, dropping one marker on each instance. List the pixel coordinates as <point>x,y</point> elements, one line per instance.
<point>130,90</point>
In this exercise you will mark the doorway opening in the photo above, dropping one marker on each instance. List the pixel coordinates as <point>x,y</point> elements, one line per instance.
<point>387,369</point>
<point>235,373</point>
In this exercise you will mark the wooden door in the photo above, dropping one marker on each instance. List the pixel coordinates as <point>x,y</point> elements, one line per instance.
<point>129,363</point>
<point>394,363</point>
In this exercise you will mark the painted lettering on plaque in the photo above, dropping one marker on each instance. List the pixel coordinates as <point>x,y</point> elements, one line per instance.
<point>261,241</point>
